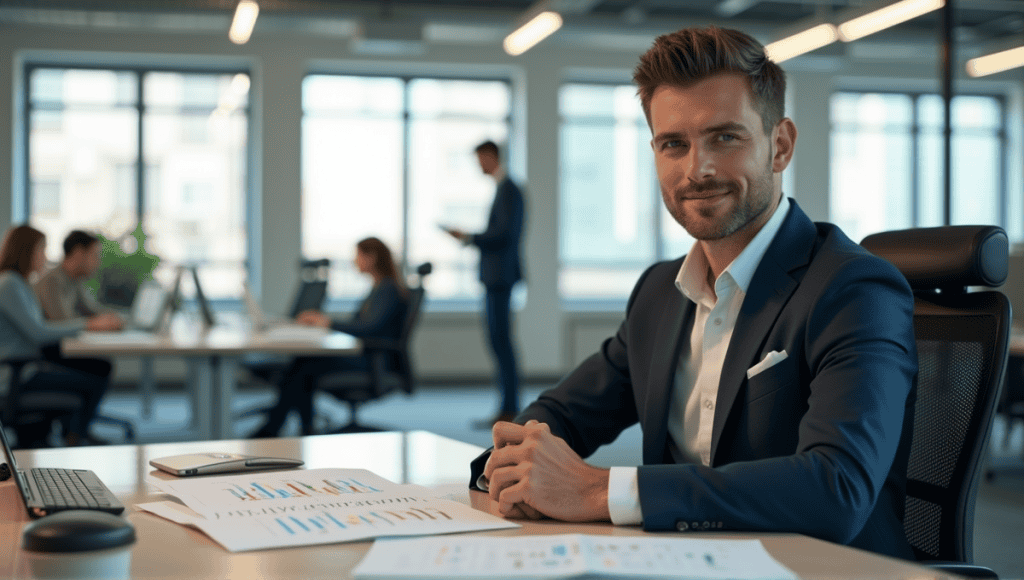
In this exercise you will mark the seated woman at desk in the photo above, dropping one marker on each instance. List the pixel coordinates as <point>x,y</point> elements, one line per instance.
<point>24,332</point>
<point>381,315</point>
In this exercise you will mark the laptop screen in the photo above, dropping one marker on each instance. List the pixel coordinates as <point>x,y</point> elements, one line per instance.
<point>149,305</point>
<point>13,464</point>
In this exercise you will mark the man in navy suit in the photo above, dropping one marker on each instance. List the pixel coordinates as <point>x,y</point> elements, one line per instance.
<point>772,369</point>
<point>500,269</point>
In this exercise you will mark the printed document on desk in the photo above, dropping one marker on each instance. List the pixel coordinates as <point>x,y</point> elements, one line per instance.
<point>257,511</point>
<point>569,556</point>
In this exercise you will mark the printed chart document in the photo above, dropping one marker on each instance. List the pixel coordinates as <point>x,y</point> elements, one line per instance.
<point>569,556</point>
<point>262,510</point>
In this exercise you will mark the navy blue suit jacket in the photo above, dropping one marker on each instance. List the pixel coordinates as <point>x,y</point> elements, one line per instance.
<point>816,444</point>
<point>499,244</point>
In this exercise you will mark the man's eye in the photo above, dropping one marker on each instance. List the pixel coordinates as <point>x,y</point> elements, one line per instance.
<point>727,137</point>
<point>672,144</point>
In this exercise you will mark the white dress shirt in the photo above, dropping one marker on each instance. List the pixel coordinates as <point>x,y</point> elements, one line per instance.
<point>694,396</point>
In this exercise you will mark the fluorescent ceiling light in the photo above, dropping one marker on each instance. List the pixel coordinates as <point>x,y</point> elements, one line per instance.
<point>996,62</point>
<point>245,20</point>
<point>883,18</point>
<point>801,42</point>
<point>537,29</point>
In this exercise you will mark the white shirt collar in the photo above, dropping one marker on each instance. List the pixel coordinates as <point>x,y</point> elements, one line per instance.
<point>692,277</point>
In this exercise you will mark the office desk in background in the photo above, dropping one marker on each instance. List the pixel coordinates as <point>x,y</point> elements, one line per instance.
<point>170,551</point>
<point>212,356</point>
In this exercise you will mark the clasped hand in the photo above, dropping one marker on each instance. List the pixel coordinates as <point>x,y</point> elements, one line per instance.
<point>532,473</point>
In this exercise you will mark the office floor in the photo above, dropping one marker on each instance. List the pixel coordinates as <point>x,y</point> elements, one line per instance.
<point>450,411</point>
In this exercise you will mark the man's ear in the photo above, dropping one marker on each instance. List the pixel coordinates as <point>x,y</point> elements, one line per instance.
<point>784,141</point>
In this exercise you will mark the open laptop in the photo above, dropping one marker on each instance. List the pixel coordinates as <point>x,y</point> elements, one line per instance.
<point>278,329</point>
<point>52,489</point>
<point>148,307</point>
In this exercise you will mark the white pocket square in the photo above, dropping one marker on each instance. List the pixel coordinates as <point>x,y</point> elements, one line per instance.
<point>771,359</point>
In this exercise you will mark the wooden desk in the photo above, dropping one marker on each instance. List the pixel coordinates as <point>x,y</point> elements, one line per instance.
<point>212,356</point>
<point>167,550</point>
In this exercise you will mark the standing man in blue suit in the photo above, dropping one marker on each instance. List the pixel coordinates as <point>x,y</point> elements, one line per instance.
<point>772,369</point>
<point>500,269</point>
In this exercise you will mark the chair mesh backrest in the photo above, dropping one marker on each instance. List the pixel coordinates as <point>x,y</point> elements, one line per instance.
<point>960,361</point>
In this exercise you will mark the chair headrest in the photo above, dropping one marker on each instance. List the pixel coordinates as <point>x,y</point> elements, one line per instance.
<point>945,257</point>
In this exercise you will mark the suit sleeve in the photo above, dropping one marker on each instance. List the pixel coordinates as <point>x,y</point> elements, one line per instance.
<point>592,405</point>
<point>379,317</point>
<point>861,354</point>
<point>506,219</point>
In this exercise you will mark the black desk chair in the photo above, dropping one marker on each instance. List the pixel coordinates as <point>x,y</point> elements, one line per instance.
<point>31,414</point>
<point>358,387</point>
<point>962,342</point>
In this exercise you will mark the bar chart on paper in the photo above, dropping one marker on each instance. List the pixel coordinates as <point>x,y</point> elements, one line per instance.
<point>317,506</point>
<point>289,488</point>
<point>211,495</point>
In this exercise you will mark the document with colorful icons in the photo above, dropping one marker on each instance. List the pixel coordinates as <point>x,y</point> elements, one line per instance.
<point>569,556</point>
<point>256,511</point>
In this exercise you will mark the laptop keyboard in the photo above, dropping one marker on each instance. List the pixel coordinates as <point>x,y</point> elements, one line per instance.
<point>64,489</point>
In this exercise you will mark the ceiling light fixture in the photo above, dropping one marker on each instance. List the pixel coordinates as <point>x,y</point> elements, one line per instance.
<point>996,62</point>
<point>801,42</point>
<point>883,18</point>
<point>533,31</point>
<point>244,21</point>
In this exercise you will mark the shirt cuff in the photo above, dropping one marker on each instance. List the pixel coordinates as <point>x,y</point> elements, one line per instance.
<point>624,497</point>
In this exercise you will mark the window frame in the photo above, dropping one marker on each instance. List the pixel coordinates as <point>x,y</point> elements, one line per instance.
<point>1002,133</point>
<point>24,210</point>
<point>406,116</point>
<point>657,229</point>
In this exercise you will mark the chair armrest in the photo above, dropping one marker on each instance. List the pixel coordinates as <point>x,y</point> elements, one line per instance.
<point>962,569</point>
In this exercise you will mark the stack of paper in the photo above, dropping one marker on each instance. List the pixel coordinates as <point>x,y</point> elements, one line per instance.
<point>569,556</point>
<point>262,510</point>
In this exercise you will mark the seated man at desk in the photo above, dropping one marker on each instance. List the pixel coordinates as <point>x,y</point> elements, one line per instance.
<point>65,298</point>
<point>772,368</point>
<point>381,315</point>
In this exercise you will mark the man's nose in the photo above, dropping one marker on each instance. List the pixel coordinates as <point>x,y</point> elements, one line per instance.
<point>701,164</point>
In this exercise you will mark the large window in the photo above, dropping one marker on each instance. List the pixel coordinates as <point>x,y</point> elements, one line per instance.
<point>393,157</point>
<point>612,222</point>
<point>886,161</point>
<point>109,149</point>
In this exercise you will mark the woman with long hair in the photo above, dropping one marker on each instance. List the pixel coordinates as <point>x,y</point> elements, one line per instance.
<point>380,315</point>
<point>24,333</point>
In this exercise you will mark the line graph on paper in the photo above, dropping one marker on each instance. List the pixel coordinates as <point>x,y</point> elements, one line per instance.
<point>294,488</point>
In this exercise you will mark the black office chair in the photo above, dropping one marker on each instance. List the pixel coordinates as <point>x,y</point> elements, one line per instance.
<point>31,414</point>
<point>35,411</point>
<point>962,343</point>
<point>358,387</point>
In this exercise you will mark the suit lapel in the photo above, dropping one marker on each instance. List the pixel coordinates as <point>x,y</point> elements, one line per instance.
<point>670,341</point>
<point>769,290</point>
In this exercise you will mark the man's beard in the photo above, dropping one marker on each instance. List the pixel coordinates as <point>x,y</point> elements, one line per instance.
<point>756,203</point>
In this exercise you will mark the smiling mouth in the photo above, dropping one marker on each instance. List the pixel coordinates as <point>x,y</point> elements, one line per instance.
<point>701,197</point>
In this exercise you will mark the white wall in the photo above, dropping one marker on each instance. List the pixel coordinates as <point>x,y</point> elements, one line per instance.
<point>550,339</point>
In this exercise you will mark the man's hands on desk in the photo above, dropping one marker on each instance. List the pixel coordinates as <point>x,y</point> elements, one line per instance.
<point>532,473</point>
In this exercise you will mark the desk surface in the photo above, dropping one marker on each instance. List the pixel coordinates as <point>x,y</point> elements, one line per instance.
<point>167,550</point>
<point>191,339</point>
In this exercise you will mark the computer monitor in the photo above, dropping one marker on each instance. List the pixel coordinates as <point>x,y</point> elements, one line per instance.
<point>204,304</point>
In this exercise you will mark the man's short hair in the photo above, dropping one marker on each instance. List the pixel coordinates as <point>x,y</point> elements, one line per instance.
<point>78,238</point>
<point>488,147</point>
<point>691,55</point>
